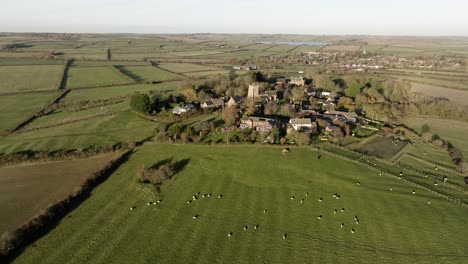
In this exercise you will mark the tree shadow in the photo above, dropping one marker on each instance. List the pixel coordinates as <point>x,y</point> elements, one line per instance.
<point>178,166</point>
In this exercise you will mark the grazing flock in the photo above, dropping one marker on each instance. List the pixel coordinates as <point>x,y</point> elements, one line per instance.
<point>302,200</point>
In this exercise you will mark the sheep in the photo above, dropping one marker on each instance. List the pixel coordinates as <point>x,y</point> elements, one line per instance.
<point>302,200</point>
<point>189,201</point>
<point>220,196</point>
<point>292,197</point>
<point>429,202</point>
<point>335,211</point>
<point>158,201</point>
<point>342,225</point>
<point>337,197</point>
<point>391,189</point>
<point>230,234</point>
<point>149,203</point>
<point>246,227</point>
<point>401,173</point>
<point>320,199</point>
<point>204,195</point>
<point>342,210</point>
<point>198,193</point>
<point>209,195</point>
<point>435,183</point>
<point>264,211</point>
<point>352,230</point>
<point>414,192</point>
<point>355,218</point>
<point>358,183</point>
<point>256,226</point>
<point>285,235</point>
<point>380,173</point>
<point>319,217</point>
<point>194,217</point>
<point>133,207</point>
<point>307,194</point>
<point>334,195</point>
<point>357,221</point>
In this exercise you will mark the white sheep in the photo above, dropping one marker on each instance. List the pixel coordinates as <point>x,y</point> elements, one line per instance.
<point>256,226</point>
<point>429,202</point>
<point>319,217</point>
<point>320,199</point>
<point>307,194</point>
<point>246,227</point>
<point>358,183</point>
<point>292,197</point>
<point>285,235</point>
<point>391,189</point>
<point>352,230</point>
<point>302,200</point>
<point>342,210</point>
<point>230,234</point>
<point>414,192</point>
<point>220,196</point>
<point>195,217</point>
<point>342,225</point>
<point>264,211</point>
<point>335,211</point>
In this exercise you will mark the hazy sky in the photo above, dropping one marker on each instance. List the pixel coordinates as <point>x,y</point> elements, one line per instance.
<point>373,17</point>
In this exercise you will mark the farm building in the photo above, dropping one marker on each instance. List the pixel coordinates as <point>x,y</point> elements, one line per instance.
<point>234,100</point>
<point>213,103</point>
<point>303,124</point>
<point>183,109</point>
<point>268,96</point>
<point>349,116</point>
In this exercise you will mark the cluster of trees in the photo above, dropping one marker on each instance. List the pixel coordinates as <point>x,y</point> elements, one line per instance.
<point>155,176</point>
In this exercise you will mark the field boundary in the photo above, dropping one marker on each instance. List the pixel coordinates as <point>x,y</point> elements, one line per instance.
<point>63,81</point>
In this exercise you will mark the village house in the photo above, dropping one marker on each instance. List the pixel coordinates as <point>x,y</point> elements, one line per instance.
<point>349,116</point>
<point>325,94</point>
<point>309,91</point>
<point>234,100</point>
<point>303,124</point>
<point>213,103</point>
<point>182,109</point>
<point>268,96</point>
<point>299,81</point>
<point>260,124</point>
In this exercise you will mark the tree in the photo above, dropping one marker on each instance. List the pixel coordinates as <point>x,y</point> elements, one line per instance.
<point>140,102</point>
<point>270,109</point>
<point>229,115</point>
<point>353,89</point>
<point>425,128</point>
<point>299,138</point>
<point>274,135</point>
<point>345,102</point>
<point>250,108</point>
<point>189,95</point>
<point>297,94</point>
<point>175,130</point>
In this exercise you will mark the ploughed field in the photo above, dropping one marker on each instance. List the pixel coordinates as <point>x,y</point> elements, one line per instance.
<point>255,186</point>
<point>26,189</point>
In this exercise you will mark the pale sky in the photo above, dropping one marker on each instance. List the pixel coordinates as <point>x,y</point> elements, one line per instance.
<point>315,17</point>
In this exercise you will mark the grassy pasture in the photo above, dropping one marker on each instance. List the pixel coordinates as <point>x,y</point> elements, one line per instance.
<point>101,131</point>
<point>28,61</point>
<point>451,130</point>
<point>454,95</point>
<point>30,77</point>
<point>195,53</point>
<point>433,153</point>
<point>395,226</point>
<point>94,76</point>
<point>16,108</point>
<point>204,74</point>
<point>106,63</point>
<point>152,74</point>
<point>65,115</point>
<point>117,91</point>
<point>26,189</point>
<point>382,147</point>
<point>186,67</point>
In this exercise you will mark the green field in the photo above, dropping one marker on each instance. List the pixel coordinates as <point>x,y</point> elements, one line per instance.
<point>394,226</point>
<point>16,108</point>
<point>94,76</point>
<point>30,77</point>
<point>152,74</point>
<point>100,131</point>
<point>26,189</point>
<point>186,67</point>
<point>382,147</point>
<point>450,130</point>
<point>119,91</point>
